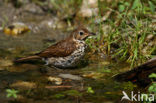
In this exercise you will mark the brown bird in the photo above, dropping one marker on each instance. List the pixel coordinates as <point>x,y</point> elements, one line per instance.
<point>66,53</point>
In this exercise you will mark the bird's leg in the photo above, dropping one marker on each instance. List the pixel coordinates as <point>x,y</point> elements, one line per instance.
<point>47,63</point>
<point>45,60</point>
<point>44,69</point>
<point>58,69</point>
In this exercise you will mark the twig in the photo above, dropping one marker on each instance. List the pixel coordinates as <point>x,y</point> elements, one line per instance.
<point>62,86</point>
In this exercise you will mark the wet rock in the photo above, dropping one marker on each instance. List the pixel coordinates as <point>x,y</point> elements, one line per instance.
<point>70,76</point>
<point>47,6</point>
<point>57,80</point>
<point>49,23</point>
<point>23,84</point>
<point>16,29</point>
<point>53,23</point>
<point>5,63</point>
<point>93,75</point>
<point>32,8</point>
<point>89,8</point>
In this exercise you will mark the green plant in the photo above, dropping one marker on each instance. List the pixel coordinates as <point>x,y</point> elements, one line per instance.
<point>11,93</point>
<point>142,7</point>
<point>123,6</point>
<point>152,88</point>
<point>90,90</point>
<point>152,6</point>
<point>59,96</point>
<point>72,93</point>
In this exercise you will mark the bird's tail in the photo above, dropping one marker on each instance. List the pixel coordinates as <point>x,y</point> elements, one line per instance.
<point>24,59</point>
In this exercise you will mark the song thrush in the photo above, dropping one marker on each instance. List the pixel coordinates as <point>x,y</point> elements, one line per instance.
<point>66,53</point>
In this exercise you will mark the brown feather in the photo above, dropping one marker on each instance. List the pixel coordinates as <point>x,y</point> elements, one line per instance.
<point>61,49</point>
<point>27,58</point>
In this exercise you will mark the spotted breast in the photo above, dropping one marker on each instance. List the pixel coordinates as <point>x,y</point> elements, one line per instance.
<point>71,60</point>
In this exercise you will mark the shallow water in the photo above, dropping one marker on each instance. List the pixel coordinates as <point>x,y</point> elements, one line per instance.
<point>31,79</point>
<point>97,75</point>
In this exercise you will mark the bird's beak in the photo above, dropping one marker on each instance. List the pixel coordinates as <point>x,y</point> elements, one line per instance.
<point>92,34</point>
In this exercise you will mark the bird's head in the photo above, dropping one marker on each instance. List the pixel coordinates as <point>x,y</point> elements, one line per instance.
<point>81,34</point>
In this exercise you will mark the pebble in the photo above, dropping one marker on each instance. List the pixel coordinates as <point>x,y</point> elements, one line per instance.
<point>16,28</point>
<point>70,76</point>
<point>57,80</point>
<point>89,8</point>
<point>24,84</point>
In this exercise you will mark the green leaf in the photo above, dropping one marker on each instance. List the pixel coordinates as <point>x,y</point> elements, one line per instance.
<point>9,95</point>
<point>126,3</point>
<point>152,6</point>
<point>121,8</point>
<point>107,70</point>
<point>90,90</point>
<point>73,93</point>
<point>136,3</point>
<point>8,90</point>
<point>152,88</point>
<point>59,96</point>
<point>14,95</point>
<point>153,75</point>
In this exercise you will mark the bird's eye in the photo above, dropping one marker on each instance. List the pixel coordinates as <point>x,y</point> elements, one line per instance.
<point>81,33</point>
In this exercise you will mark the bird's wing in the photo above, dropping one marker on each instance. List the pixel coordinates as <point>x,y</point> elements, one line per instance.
<point>61,49</point>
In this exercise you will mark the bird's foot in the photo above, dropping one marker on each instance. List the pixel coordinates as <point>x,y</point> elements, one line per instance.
<point>58,69</point>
